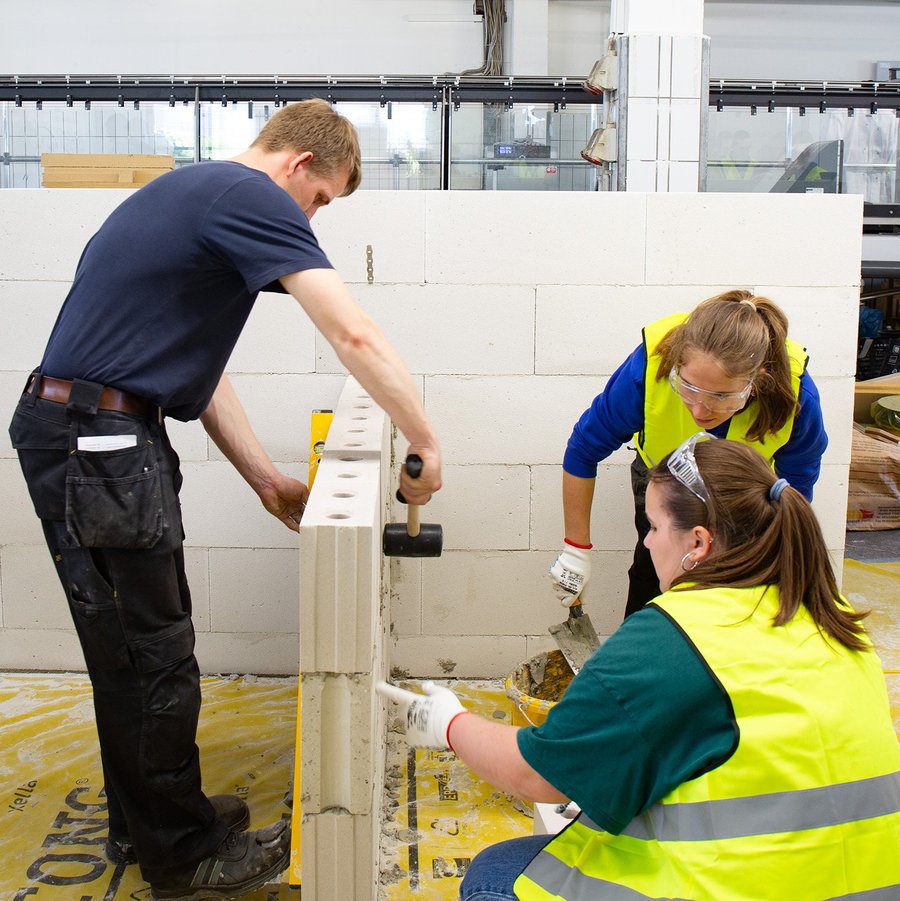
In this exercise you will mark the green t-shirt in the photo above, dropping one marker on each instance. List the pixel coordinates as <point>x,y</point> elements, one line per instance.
<point>645,714</point>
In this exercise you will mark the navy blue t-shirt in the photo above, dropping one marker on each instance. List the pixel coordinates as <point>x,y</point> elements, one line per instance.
<point>164,288</point>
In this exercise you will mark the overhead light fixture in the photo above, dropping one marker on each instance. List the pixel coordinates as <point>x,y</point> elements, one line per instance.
<point>604,75</point>
<point>601,147</point>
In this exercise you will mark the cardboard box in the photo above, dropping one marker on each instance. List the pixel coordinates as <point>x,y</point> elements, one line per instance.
<point>102,170</point>
<point>873,499</point>
<point>867,392</point>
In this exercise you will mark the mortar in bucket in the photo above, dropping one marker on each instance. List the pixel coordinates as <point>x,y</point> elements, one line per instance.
<point>536,685</point>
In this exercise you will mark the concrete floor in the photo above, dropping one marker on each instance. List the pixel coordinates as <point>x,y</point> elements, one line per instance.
<point>435,815</point>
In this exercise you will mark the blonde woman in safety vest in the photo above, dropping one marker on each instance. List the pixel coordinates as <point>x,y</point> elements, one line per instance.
<point>750,756</point>
<point>727,368</point>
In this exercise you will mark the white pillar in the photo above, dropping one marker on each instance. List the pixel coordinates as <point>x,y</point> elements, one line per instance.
<point>527,42</point>
<point>660,107</point>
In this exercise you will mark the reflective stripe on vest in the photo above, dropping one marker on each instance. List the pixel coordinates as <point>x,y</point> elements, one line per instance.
<point>807,808</point>
<point>809,801</point>
<point>553,879</point>
<point>668,422</point>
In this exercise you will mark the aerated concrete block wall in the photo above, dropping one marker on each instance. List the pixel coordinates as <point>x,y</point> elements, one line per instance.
<point>344,649</point>
<point>511,309</point>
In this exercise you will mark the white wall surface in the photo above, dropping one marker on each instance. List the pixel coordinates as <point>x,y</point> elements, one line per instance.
<point>800,40</point>
<point>509,331</point>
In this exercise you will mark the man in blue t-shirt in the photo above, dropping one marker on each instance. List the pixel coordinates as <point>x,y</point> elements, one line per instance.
<point>160,296</point>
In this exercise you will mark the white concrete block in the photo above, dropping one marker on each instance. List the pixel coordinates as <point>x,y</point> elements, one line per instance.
<point>278,337</point>
<point>666,74</point>
<point>662,175</point>
<point>480,420</point>
<point>837,410</point>
<point>643,67</point>
<point>262,653</point>
<point>366,217</point>
<point>484,593</point>
<point>643,129</point>
<point>359,427</point>
<point>25,217</point>
<point>339,854</point>
<point>189,439</point>
<point>684,131</point>
<point>220,509</point>
<point>253,590</point>
<point>612,513</point>
<point>18,525</point>
<point>32,595</point>
<point>404,576</point>
<point>279,409</point>
<point>470,329</point>
<point>11,385</point>
<point>491,238</point>
<point>664,130</point>
<point>748,238</point>
<point>196,567</point>
<point>684,177</point>
<point>640,177</point>
<point>480,507</point>
<point>45,650</point>
<point>470,657</point>
<point>824,320</point>
<point>591,330</point>
<point>687,64</point>
<point>28,310</point>
<point>340,567</point>
<point>830,506</point>
<point>338,714</point>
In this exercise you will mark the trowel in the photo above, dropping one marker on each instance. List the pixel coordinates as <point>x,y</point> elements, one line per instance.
<point>576,637</point>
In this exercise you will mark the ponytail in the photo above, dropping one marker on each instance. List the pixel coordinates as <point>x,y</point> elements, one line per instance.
<point>746,334</point>
<point>765,534</point>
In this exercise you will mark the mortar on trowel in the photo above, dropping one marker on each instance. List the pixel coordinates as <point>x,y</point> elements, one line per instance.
<point>536,685</point>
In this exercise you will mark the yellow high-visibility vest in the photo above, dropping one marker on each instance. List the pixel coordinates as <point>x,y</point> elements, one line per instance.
<point>807,808</point>
<point>668,422</point>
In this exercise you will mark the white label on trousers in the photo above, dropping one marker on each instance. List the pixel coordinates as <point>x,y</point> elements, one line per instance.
<point>106,442</point>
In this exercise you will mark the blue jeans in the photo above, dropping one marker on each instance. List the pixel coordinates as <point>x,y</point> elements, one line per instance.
<point>494,870</point>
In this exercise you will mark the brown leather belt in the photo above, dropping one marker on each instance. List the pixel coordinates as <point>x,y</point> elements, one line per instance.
<point>58,390</point>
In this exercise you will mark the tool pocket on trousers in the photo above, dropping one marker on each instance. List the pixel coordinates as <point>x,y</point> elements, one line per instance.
<point>114,499</point>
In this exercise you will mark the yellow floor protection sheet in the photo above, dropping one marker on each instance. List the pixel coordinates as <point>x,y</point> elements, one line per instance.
<point>876,587</point>
<point>437,815</point>
<point>54,814</point>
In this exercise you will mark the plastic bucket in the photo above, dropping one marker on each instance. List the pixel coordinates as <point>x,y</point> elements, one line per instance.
<point>536,685</point>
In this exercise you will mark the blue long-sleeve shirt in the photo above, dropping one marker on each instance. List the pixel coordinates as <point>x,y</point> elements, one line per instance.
<point>618,412</point>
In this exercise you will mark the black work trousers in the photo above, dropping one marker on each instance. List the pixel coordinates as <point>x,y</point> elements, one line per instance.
<point>105,486</point>
<point>643,584</point>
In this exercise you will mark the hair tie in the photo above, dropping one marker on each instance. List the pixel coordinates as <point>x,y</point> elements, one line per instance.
<point>777,487</point>
<point>748,302</point>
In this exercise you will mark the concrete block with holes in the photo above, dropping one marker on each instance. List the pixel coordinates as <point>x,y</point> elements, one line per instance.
<point>343,638</point>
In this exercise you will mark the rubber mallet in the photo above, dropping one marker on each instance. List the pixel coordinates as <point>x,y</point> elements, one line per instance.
<point>412,538</point>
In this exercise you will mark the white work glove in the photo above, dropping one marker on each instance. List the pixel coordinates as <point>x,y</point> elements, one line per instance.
<point>571,573</point>
<point>428,716</point>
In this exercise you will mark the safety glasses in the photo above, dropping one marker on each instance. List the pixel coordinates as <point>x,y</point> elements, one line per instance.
<point>712,400</point>
<point>683,465</point>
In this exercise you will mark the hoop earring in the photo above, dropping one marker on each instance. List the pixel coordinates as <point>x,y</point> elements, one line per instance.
<point>688,556</point>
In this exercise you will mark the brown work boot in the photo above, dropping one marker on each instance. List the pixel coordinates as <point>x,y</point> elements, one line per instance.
<point>230,809</point>
<point>243,862</point>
